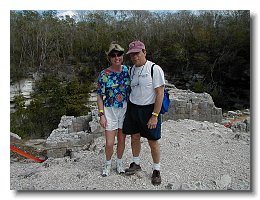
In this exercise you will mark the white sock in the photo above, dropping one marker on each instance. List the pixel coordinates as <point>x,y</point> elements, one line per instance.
<point>136,160</point>
<point>156,166</point>
<point>108,162</point>
<point>119,160</point>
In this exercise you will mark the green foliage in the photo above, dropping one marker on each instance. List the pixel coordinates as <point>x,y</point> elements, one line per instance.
<point>51,100</point>
<point>19,102</point>
<point>216,92</point>
<point>19,119</point>
<point>198,87</point>
<point>77,95</point>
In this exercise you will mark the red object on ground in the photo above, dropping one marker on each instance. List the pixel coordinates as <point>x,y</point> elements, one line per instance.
<point>228,125</point>
<point>22,153</point>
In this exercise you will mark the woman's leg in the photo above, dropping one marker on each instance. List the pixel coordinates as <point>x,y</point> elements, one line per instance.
<point>120,151</point>
<point>110,140</point>
<point>120,143</point>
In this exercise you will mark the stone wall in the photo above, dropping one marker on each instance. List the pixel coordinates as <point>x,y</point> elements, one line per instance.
<point>72,134</point>
<point>186,104</point>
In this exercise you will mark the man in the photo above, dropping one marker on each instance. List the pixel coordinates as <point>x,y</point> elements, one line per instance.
<point>143,110</point>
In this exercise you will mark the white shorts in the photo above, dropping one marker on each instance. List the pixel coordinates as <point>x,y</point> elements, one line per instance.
<point>115,117</point>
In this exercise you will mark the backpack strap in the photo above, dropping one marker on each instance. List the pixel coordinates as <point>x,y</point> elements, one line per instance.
<point>152,70</point>
<point>130,71</point>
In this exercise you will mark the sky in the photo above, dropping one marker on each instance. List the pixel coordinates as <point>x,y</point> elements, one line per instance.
<point>6,6</point>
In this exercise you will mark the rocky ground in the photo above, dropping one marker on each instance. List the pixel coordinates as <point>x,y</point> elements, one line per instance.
<point>194,156</point>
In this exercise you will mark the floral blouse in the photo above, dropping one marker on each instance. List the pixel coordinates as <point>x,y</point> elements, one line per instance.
<point>115,86</point>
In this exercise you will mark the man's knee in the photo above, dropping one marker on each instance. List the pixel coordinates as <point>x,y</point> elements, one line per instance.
<point>135,139</point>
<point>153,143</point>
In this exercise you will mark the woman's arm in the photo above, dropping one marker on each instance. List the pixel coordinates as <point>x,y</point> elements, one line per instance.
<point>102,120</point>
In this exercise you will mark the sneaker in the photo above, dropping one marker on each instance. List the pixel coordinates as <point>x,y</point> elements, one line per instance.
<point>106,170</point>
<point>119,168</point>
<point>132,169</point>
<point>156,177</point>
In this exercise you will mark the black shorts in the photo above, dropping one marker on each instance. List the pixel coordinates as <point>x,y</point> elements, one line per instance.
<point>136,119</point>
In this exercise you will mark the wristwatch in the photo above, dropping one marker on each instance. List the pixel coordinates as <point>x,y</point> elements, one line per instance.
<point>155,114</point>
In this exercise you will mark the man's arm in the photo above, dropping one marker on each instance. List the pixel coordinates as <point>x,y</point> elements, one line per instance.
<point>159,92</point>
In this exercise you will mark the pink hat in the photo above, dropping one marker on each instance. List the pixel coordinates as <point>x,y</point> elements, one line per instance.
<point>135,46</point>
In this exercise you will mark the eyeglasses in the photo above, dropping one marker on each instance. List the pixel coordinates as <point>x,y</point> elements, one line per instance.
<point>113,55</point>
<point>138,75</point>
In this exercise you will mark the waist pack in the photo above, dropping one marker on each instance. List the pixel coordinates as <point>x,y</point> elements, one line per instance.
<point>166,99</point>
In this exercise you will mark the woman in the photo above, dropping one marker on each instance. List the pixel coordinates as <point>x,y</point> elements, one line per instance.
<point>114,85</point>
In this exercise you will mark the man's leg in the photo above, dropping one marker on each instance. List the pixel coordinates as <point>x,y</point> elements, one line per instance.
<point>155,151</point>
<point>136,148</point>
<point>136,144</point>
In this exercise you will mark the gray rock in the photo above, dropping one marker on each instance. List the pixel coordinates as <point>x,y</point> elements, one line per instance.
<point>223,182</point>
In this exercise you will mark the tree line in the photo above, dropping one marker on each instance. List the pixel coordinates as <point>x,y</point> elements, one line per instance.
<point>198,50</point>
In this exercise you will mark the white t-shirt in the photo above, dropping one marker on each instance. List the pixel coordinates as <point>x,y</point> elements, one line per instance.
<point>143,85</point>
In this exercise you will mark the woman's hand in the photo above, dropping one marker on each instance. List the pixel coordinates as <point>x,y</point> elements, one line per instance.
<point>103,121</point>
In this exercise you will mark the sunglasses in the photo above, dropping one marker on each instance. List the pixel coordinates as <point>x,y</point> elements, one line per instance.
<point>113,55</point>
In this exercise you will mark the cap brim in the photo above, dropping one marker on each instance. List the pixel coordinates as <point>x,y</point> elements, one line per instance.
<point>134,51</point>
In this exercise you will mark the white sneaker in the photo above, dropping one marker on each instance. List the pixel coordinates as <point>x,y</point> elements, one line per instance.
<point>106,170</point>
<point>119,168</point>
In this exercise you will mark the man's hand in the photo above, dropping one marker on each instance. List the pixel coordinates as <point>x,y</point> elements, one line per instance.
<point>152,123</point>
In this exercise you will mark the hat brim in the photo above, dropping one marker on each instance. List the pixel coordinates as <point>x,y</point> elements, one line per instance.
<point>109,53</point>
<point>134,51</point>
<point>113,50</point>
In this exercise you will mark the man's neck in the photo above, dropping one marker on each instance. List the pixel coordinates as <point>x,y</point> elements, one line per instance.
<point>142,64</point>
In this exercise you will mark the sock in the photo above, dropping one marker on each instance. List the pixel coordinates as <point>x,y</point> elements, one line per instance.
<point>108,162</point>
<point>119,160</point>
<point>156,166</point>
<point>136,160</point>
